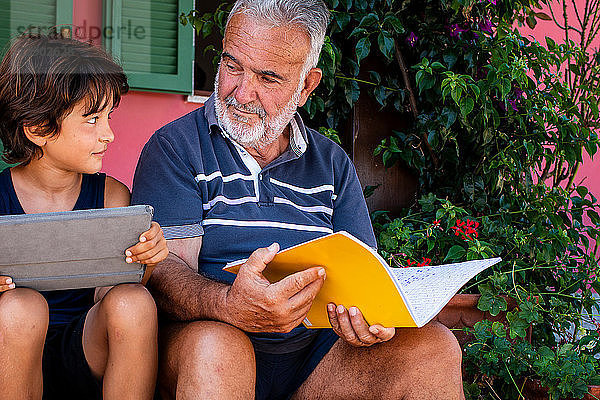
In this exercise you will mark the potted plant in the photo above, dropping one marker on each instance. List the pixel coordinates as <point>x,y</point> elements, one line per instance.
<point>494,129</point>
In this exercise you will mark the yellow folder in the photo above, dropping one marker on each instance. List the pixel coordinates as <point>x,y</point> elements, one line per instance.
<point>356,276</point>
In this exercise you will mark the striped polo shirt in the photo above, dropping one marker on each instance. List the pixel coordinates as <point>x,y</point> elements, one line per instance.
<point>202,183</point>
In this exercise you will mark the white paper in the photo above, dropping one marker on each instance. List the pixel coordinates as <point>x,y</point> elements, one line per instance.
<point>428,289</point>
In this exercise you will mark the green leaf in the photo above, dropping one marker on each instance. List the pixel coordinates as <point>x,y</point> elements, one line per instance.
<point>363,48</point>
<point>361,4</point>
<point>387,158</point>
<point>388,240</point>
<point>431,245</point>
<point>471,390</point>
<point>352,93</point>
<point>426,83</point>
<point>543,16</point>
<point>374,75</point>
<point>529,147</point>
<point>395,23</point>
<point>594,217</point>
<point>456,252</point>
<point>380,95</point>
<point>342,19</point>
<point>448,117</point>
<point>386,44</point>
<point>498,329</point>
<point>476,90</point>
<point>456,94</point>
<point>207,28</point>
<point>450,59</point>
<point>506,87</point>
<point>529,313</point>
<point>466,106</point>
<point>492,304</point>
<point>358,31</point>
<point>582,191</point>
<point>517,326</point>
<point>368,20</point>
<point>369,190</point>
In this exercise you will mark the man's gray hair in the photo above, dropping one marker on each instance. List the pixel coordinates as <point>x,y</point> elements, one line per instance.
<point>310,15</point>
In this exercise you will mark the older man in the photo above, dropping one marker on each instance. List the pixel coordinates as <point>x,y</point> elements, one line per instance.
<point>241,177</point>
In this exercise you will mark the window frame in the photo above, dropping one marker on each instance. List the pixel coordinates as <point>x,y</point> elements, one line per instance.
<point>182,82</point>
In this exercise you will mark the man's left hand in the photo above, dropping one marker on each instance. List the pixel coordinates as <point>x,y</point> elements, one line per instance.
<point>351,326</point>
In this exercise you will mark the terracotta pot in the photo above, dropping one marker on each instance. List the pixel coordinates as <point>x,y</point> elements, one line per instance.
<point>534,390</point>
<point>461,311</point>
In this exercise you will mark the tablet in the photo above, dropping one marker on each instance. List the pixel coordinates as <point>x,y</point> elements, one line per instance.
<point>73,249</point>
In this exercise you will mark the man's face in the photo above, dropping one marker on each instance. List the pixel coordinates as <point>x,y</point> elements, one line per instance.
<point>261,80</point>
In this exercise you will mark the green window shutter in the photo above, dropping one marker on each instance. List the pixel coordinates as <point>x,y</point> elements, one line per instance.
<point>18,16</point>
<point>155,50</point>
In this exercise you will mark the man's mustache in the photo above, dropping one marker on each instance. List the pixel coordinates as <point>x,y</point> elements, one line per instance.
<point>250,108</point>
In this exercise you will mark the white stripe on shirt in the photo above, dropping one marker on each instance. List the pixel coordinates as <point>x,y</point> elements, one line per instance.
<point>226,178</point>
<point>266,224</point>
<point>318,189</point>
<point>322,209</point>
<point>223,199</point>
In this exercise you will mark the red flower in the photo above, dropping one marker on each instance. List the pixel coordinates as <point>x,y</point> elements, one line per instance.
<point>466,229</point>
<point>426,262</point>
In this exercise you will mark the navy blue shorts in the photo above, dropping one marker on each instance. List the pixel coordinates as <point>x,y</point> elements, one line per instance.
<point>66,372</point>
<point>278,376</point>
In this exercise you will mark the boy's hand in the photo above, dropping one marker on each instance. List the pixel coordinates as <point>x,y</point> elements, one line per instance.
<point>151,249</point>
<point>6,283</point>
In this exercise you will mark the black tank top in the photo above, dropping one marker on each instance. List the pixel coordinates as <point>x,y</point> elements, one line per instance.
<point>64,305</point>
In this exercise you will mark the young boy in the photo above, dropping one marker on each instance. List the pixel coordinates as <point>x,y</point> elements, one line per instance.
<point>56,96</point>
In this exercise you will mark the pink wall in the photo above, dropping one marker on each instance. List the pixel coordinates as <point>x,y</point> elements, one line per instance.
<point>139,114</point>
<point>589,172</point>
<point>136,119</point>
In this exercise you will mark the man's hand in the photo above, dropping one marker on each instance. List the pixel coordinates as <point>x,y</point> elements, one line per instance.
<point>255,305</point>
<point>352,327</point>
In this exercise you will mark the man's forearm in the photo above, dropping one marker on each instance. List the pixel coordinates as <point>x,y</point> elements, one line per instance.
<point>185,295</point>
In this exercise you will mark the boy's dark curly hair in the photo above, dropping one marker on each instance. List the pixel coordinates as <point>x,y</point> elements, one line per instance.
<point>41,79</point>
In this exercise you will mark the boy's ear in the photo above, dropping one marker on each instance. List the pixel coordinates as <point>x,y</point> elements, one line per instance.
<point>31,135</point>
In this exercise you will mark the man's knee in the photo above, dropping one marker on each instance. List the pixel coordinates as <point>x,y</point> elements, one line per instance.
<point>214,342</point>
<point>129,306</point>
<point>203,353</point>
<point>432,342</point>
<point>23,312</point>
<point>441,344</point>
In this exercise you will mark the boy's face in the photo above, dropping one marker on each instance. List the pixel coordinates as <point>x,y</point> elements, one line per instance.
<point>82,141</point>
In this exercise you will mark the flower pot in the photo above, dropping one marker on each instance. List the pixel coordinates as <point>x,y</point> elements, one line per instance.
<point>533,390</point>
<point>461,311</point>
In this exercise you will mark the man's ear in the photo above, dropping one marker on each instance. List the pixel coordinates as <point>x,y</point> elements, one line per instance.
<point>33,138</point>
<point>310,84</point>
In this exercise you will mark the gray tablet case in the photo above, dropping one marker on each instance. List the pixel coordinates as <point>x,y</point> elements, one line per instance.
<point>74,249</point>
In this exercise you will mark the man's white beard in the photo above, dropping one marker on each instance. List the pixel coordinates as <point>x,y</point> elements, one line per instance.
<point>262,133</point>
